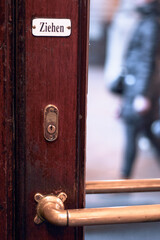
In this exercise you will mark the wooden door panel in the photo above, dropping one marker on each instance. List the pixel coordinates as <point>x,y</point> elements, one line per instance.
<point>50,70</point>
<point>6,122</point>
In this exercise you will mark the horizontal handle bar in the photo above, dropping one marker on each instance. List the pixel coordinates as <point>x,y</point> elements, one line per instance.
<point>51,209</point>
<point>100,216</point>
<point>123,186</point>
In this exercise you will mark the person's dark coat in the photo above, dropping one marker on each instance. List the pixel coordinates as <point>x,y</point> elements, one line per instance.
<point>140,64</point>
<point>140,81</point>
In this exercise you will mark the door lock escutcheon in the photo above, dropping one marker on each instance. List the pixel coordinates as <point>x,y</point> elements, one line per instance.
<point>51,114</point>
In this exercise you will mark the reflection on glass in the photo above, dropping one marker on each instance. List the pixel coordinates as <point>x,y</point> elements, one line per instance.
<point>112,27</point>
<point>123,139</point>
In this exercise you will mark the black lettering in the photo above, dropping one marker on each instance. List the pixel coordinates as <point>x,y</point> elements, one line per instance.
<point>49,28</point>
<point>45,28</point>
<point>53,27</point>
<point>42,26</point>
<point>61,28</point>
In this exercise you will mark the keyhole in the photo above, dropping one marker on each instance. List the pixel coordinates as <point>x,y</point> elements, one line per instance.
<point>51,129</point>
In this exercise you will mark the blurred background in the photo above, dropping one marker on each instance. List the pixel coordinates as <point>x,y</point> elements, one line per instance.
<point>105,131</point>
<point>105,135</point>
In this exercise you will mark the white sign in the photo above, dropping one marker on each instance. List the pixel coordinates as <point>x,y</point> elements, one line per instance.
<point>51,27</point>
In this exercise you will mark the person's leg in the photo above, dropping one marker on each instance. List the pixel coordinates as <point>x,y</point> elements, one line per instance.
<point>130,150</point>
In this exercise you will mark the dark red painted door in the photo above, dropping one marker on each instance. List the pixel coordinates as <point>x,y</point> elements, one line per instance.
<point>37,71</point>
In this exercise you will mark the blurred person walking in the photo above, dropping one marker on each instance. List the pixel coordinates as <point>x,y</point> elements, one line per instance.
<point>119,33</point>
<point>139,84</point>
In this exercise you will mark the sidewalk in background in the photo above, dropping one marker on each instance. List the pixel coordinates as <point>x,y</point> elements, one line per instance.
<point>104,155</point>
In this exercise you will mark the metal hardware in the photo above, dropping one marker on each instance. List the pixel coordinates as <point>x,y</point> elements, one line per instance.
<point>56,202</point>
<point>51,123</point>
<point>51,129</point>
<point>51,209</point>
<point>123,186</point>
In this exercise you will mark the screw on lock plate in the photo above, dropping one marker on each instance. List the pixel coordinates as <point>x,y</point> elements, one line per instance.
<point>51,123</point>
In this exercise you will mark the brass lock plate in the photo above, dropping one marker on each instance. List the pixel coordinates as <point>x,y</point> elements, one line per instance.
<point>51,114</point>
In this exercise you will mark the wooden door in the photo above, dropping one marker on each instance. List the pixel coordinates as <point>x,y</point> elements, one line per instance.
<point>37,71</point>
<point>7,160</point>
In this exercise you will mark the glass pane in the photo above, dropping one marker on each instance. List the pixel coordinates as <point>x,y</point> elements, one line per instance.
<point>117,128</point>
<point>113,24</point>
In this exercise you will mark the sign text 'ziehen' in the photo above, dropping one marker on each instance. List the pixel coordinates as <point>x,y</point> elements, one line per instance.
<point>51,27</point>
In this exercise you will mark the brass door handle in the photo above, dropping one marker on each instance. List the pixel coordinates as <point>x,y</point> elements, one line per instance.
<point>123,186</point>
<point>51,208</point>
